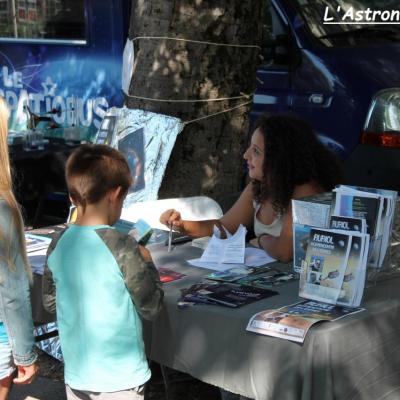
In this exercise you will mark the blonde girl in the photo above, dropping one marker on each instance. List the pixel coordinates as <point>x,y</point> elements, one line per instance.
<point>16,327</point>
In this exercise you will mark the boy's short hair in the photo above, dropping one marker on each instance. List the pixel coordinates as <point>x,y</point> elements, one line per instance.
<point>92,170</point>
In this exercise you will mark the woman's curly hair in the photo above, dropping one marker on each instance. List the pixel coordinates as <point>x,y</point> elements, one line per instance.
<point>293,155</point>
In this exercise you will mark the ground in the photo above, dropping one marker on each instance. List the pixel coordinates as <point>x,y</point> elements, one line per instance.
<point>50,385</point>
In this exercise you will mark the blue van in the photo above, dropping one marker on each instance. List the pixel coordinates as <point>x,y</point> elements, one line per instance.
<point>341,76</point>
<point>63,57</point>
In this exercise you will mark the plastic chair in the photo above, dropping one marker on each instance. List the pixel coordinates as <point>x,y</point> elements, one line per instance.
<point>195,208</point>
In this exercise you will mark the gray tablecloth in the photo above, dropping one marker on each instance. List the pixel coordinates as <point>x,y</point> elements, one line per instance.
<point>356,358</point>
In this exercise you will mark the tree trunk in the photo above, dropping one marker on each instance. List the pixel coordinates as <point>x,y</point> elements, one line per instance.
<point>207,157</point>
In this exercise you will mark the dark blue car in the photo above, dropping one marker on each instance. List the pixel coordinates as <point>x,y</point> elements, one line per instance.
<point>340,74</point>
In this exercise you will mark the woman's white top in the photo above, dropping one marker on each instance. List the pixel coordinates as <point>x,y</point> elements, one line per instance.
<point>273,229</point>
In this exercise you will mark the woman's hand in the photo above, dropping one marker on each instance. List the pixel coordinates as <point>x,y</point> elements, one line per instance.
<point>254,242</point>
<point>172,218</point>
<point>26,374</point>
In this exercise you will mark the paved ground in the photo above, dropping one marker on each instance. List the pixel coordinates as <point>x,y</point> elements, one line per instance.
<point>40,389</point>
<point>50,385</point>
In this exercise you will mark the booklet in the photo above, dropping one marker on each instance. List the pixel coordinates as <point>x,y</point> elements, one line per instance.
<point>377,206</point>
<point>267,279</point>
<point>334,270</point>
<point>236,273</point>
<point>140,230</point>
<point>293,322</point>
<point>168,275</point>
<point>225,294</point>
<point>307,212</point>
<point>325,264</point>
<point>35,242</point>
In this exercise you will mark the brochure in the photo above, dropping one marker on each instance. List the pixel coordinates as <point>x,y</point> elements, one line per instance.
<point>293,322</point>
<point>140,230</point>
<point>307,212</point>
<point>35,242</point>
<point>377,206</point>
<point>326,259</point>
<point>301,235</point>
<point>168,275</point>
<point>267,279</point>
<point>354,277</point>
<point>334,270</point>
<point>236,273</point>
<point>225,294</point>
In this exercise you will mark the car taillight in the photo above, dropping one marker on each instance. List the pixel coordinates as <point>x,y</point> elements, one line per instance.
<point>381,139</point>
<point>382,126</point>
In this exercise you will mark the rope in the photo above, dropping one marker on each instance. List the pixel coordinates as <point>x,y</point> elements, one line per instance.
<point>247,96</point>
<point>213,115</point>
<point>196,41</point>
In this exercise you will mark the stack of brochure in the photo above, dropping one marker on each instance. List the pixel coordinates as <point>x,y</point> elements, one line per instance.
<point>334,270</point>
<point>372,208</point>
<point>377,207</point>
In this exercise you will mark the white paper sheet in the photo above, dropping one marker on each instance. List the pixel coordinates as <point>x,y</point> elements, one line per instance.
<point>226,251</point>
<point>253,258</point>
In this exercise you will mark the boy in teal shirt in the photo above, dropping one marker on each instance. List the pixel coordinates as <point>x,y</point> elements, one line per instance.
<point>104,282</point>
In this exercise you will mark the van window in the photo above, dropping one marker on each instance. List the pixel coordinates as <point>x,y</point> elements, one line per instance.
<point>61,20</point>
<point>276,39</point>
<point>350,34</point>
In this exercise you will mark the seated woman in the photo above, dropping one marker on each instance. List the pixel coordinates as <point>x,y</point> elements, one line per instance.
<point>285,161</point>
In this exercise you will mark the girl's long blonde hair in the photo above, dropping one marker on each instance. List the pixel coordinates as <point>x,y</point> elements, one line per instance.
<point>6,193</point>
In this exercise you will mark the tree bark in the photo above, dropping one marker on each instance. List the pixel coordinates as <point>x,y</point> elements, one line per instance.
<point>207,157</point>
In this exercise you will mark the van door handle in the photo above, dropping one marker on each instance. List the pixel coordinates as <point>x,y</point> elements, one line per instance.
<point>316,98</point>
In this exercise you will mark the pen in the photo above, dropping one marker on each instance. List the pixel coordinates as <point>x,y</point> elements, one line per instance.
<point>169,238</point>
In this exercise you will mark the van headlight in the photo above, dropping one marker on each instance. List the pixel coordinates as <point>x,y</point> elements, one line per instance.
<point>382,126</point>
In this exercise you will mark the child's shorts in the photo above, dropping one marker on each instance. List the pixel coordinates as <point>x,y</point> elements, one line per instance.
<point>7,366</point>
<point>130,394</point>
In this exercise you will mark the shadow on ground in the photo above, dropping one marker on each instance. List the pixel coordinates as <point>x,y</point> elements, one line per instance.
<point>50,385</point>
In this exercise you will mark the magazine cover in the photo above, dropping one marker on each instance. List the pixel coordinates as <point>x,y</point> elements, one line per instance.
<point>226,294</point>
<point>349,205</point>
<point>132,147</point>
<point>301,236</point>
<point>294,321</point>
<point>236,273</point>
<point>168,275</point>
<point>326,260</point>
<point>267,279</point>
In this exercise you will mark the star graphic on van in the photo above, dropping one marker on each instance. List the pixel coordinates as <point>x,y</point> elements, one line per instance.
<point>49,87</point>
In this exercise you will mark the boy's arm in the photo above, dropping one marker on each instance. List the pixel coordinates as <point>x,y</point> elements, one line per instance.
<point>48,285</point>
<point>139,273</point>
<point>142,280</point>
<point>48,291</point>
